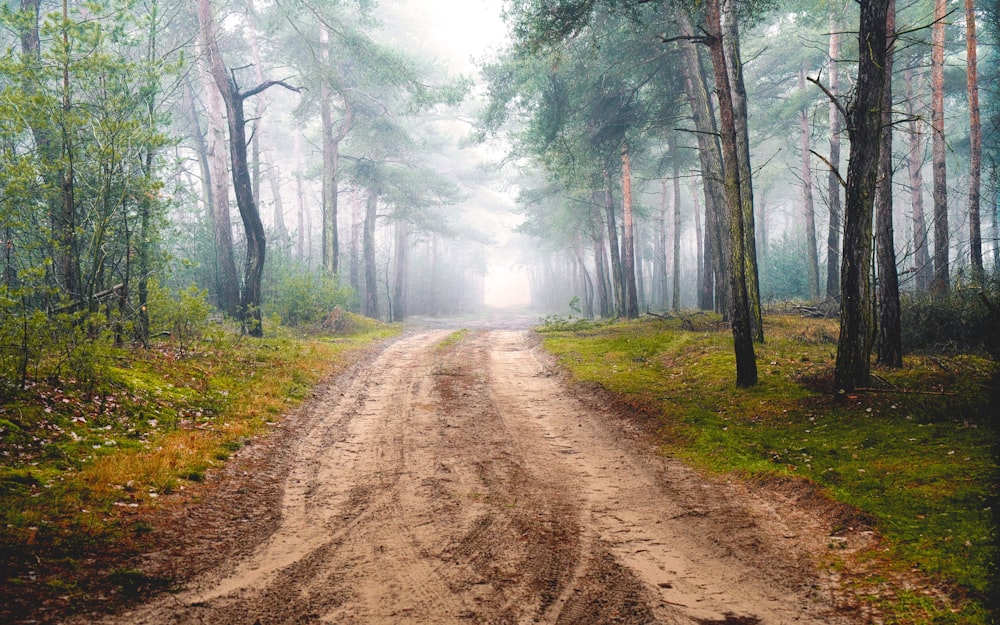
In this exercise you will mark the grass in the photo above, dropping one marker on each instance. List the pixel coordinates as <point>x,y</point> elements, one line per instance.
<point>916,457</point>
<point>76,460</point>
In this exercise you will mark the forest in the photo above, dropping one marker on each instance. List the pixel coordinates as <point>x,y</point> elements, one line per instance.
<point>188,180</point>
<point>284,159</point>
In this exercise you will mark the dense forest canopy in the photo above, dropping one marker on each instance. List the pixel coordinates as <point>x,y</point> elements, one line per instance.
<point>279,159</point>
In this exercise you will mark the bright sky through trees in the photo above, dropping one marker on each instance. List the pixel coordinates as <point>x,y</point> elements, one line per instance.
<point>457,34</point>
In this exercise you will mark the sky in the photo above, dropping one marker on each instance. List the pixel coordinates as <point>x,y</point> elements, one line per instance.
<point>458,34</point>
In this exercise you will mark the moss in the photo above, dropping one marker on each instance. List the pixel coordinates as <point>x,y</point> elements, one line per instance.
<point>916,458</point>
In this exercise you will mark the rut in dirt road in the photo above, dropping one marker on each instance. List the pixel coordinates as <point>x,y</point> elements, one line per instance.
<point>461,483</point>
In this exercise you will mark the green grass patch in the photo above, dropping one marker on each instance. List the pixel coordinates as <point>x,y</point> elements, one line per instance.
<point>76,459</point>
<point>916,457</point>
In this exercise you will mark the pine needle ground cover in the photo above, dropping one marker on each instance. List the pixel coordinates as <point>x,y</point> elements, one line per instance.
<point>916,454</point>
<point>77,459</point>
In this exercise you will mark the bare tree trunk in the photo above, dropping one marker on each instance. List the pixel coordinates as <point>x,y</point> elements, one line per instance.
<point>402,246</point>
<point>941,243</point>
<point>660,269</point>
<point>833,179</point>
<point>808,211</point>
<point>923,269</point>
<point>734,67</point>
<point>250,301</point>
<point>864,121</point>
<point>301,196</point>
<point>975,145</point>
<point>226,275</point>
<point>617,275</point>
<point>675,298</point>
<point>889,340</point>
<point>600,267</point>
<point>742,321</point>
<point>714,279</point>
<point>699,243</point>
<point>628,239</point>
<point>368,242</point>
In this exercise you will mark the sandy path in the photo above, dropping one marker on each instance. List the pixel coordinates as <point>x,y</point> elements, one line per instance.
<point>464,484</point>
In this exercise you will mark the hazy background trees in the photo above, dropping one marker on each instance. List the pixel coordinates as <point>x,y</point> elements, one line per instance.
<point>600,124</point>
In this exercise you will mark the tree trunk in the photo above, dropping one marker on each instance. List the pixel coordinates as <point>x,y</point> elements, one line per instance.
<point>975,145</point>
<point>941,244</point>
<point>833,180</point>
<point>402,245</point>
<point>661,270</point>
<point>628,239</point>
<point>300,194</point>
<point>734,67</point>
<point>600,267</point>
<point>64,227</point>
<point>715,270</point>
<point>699,243</point>
<point>889,341</point>
<point>808,211</point>
<point>227,280</point>
<point>617,276</point>
<point>675,295</point>
<point>368,243</point>
<point>923,269</point>
<point>250,301</point>
<point>864,121</point>
<point>742,321</point>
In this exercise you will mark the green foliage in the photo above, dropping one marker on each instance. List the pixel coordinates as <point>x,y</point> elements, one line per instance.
<point>784,273</point>
<point>918,462</point>
<point>958,321</point>
<point>300,297</point>
<point>184,316</point>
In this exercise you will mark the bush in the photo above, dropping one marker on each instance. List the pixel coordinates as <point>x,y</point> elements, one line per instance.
<point>963,320</point>
<point>184,316</point>
<point>300,297</point>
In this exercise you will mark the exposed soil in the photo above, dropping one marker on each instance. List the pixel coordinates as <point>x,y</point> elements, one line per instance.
<point>469,484</point>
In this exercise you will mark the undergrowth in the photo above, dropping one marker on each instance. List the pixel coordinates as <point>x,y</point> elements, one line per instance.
<point>77,458</point>
<point>915,456</point>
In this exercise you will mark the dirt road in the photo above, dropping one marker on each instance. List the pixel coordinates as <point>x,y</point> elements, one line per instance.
<point>462,483</point>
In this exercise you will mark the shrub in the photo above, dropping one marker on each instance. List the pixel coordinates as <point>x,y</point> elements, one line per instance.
<point>301,297</point>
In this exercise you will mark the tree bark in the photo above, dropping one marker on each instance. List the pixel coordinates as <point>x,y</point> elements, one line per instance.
<point>833,179</point>
<point>975,145</point>
<point>808,210</point>
<point>227,280</point>
<point>713,292</point>
<point>600,266</point>
<point>250,300</point>
<point>617,275</point>
<point>368,244</point>
<point>742,321</point>
<point>941,231</point>
<point>628,239</point>
<point>402,245</point>
<point>734,68</point>
<point>675,296</point>
<point>864,121</point>
<point>889,341</point>
<point>923,269</point>
<point>660,269</point>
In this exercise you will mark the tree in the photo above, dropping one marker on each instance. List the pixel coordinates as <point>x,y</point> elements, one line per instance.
<point>889,342</point>
<point>833,179</point>
<point>864,121</point>
<point>941,242</point>
<point>812,260</point>
<point>250,299</point>
<point>975,145</point>
<point>742,322</point>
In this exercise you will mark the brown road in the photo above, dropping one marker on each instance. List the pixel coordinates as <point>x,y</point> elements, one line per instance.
<point>463,483</point>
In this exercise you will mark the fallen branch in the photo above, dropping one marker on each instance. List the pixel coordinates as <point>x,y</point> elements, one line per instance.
<point>903,391</point>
